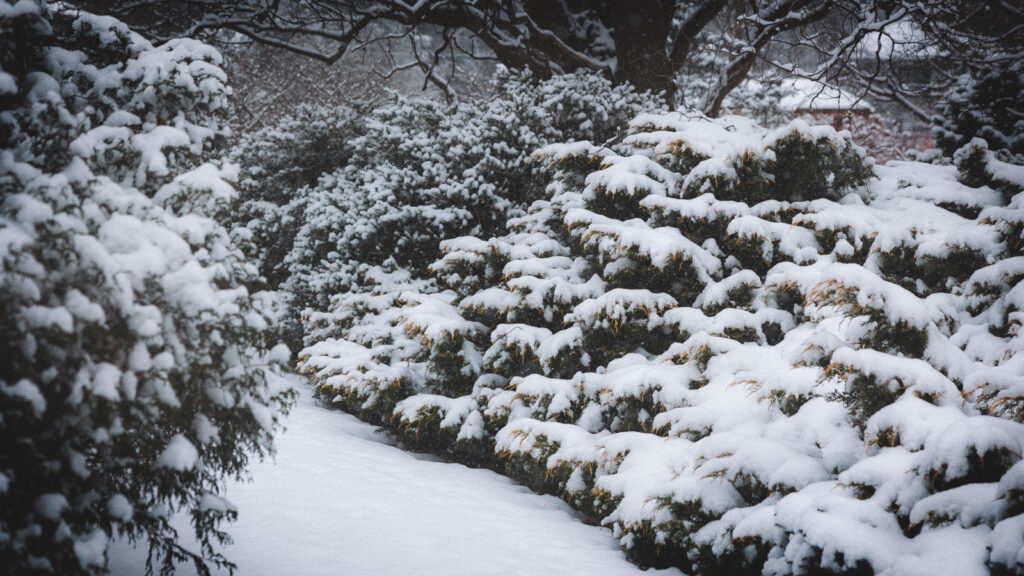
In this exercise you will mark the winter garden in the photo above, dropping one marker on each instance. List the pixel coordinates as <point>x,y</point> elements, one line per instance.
<point>510,287</point>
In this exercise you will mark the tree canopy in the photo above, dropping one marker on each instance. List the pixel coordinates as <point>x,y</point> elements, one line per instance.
<point>891,49</point>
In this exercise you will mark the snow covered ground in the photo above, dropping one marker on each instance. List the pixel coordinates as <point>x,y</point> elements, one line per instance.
<point>338,500</point>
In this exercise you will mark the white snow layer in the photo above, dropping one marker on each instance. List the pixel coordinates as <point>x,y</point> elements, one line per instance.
<point>338,500</point>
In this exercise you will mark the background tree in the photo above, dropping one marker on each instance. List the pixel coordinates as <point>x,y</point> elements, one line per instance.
<point>643,42</point>
<point>893,49</point>
<point>269,83</point>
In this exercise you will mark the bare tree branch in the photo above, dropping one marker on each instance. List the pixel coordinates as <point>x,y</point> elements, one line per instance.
<point>643,42</point>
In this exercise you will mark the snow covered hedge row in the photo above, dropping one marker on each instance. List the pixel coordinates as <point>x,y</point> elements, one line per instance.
<point>137,368</point>
<point>744,351</point>
<point>329,192</point>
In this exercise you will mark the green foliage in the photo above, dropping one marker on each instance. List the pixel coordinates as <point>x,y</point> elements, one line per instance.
<point>864,396</point>
<point>679,157</point>
<point>806,168</point>
<point>666,336</point>
<point>281,159</point>
<point>981,468</point>
<point>419,173</point>
<point>747,178</point>
<point>139,371</point>
<point>984,107</point>
<point>796,166</point>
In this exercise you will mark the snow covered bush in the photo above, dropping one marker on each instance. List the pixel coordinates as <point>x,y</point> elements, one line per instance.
<point>277,162</point>
<point>745,351</point>
<point>138,370</point>
<point>986,107</point>
<point>420,172</point>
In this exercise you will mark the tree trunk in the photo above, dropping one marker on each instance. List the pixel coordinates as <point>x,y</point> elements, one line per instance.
<point>640,32</point>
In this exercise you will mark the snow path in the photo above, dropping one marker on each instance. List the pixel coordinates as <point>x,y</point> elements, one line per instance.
<point>340,501</point>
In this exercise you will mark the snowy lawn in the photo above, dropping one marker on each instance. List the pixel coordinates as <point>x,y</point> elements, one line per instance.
<point>338,500</point>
